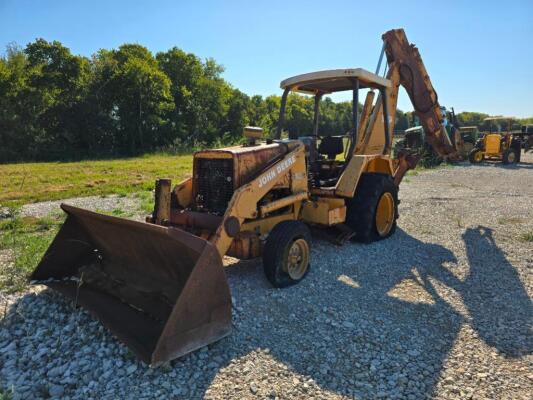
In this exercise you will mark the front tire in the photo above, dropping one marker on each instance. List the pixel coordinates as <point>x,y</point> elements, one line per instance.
<point>373,212</point>
<point>476,156</point>
<point>287,253</point>
<point>510,156</point>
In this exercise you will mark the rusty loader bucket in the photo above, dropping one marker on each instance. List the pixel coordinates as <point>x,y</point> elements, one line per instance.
<point>161,290</point>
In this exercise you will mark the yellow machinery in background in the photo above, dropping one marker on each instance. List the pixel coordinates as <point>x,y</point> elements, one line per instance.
<point>497,144</point>
<point>160,285</point>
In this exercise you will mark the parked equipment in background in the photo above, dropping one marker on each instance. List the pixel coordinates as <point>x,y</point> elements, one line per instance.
<point>469,137</point>
<point>414,141</point>
<point>160,286</point>
<point>464,137</point>
<point>526,136</point>
<point>497,144</point>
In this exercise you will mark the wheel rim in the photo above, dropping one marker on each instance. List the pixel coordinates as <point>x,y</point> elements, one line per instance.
<point>478,156</point>
<point>385,214</point>
<point>297,259</point>
<point>511,157</point>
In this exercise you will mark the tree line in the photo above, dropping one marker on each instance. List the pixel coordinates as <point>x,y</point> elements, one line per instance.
<point>126,101</point>
<point>56,105</point>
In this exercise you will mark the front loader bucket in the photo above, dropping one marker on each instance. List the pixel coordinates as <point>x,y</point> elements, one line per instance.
<point>161,290</point>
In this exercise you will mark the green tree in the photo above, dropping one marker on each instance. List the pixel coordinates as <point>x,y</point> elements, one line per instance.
<point>184,71</point>
<point>468,118</point>
<point>56,84</point>
<point>401,122</point>
<point>238,115</point>
<point>136,95</point>
<point>15,116</point>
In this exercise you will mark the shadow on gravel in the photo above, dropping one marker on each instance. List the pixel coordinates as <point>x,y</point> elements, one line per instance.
<point>520,165</point>
<point>346,328</point>
<point>369,321</point>
<point>500,308</point>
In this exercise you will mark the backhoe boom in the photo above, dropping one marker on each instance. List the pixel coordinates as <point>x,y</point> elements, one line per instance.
<point>405,58</point>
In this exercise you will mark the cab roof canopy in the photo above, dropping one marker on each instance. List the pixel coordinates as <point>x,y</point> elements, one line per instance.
<point>334,80</point>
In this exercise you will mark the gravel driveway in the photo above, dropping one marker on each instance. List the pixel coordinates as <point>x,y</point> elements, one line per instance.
<point>441,310</point>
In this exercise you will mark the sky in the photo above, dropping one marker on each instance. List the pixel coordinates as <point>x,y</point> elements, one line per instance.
<point>479,54</point>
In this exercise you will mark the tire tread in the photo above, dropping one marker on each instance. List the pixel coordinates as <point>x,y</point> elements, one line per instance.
<point>361,210</point>
<point>278,239</point>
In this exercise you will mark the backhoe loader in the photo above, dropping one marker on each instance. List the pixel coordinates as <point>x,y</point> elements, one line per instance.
<point>160,285</point>
<point>497,144</point>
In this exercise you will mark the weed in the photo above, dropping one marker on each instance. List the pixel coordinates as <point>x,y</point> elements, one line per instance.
<point>5,395</point>
<point>48,223</point>
<point>147,206</point>
<point>24,240</point>
<point>509,220</point>
<point>527,236</point>
<point>146,201</point>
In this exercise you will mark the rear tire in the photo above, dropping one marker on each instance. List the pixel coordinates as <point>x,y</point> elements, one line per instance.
<point>286,253</point>
<point>373,212</point>
<point>510,156</point>
<point>476,156</point>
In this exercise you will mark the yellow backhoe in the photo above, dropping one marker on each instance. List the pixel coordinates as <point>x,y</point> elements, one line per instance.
<point>497,144</point>
<point>160,285</point>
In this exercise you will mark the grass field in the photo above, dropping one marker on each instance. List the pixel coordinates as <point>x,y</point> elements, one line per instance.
<point>23,240</point>
<point>31,182</point>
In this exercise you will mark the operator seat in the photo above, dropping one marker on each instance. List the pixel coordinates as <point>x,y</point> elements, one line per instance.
<point>331,146</point>
<point>329,169</point>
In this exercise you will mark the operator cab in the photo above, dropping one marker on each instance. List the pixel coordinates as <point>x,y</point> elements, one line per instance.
<point>329,152</point>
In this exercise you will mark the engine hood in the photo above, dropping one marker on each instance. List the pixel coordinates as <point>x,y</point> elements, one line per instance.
<point>248,161</point>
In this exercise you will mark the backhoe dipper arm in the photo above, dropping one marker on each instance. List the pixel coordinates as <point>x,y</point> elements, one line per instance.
<point>415,80</point>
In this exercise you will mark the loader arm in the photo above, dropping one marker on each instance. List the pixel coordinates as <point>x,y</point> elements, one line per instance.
<point>404,58</point>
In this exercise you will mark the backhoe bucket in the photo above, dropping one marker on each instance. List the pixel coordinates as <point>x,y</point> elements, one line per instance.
<point>162,291</point>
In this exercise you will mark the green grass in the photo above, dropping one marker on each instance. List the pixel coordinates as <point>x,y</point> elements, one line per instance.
<point>527,236</point>
<point>509,220</point>
<point>147,201</point>
<point>32,182</point>
<point>24,240</point>
<point>420,167</point>
<point>4,395</point>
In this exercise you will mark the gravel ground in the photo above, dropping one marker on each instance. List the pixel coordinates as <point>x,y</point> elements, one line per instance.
<point>129,204</point>
<point>441,310</point>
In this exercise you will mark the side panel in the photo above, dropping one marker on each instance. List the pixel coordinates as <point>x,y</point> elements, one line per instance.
<point>243,204</point>
<point>381,165</point>
<point>350,177</point>
<point>357,165</point>
<point>492,144</point>
<point>324,211</point>
<point>374,138</point>
<point>249,163</point>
